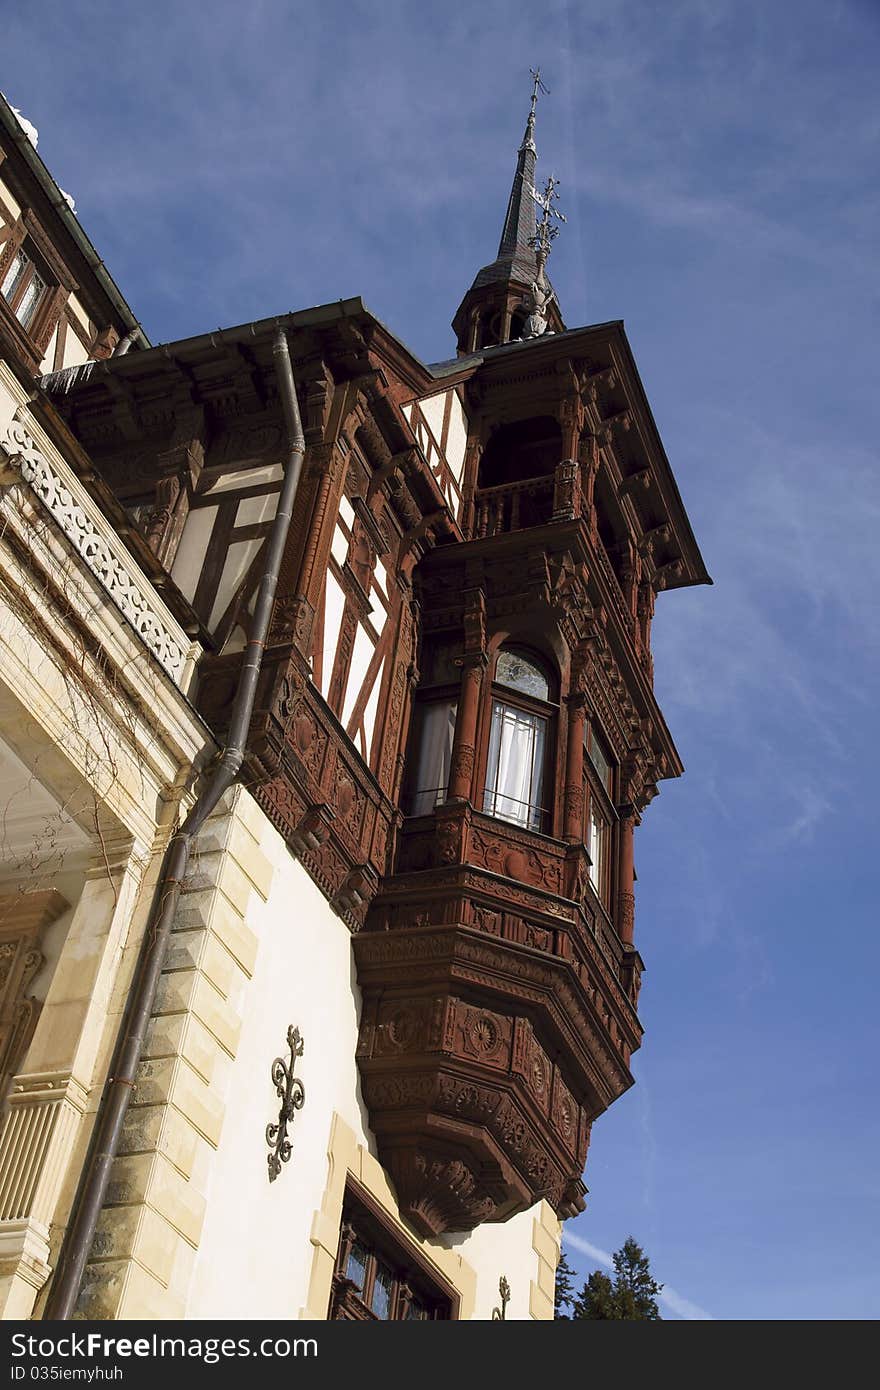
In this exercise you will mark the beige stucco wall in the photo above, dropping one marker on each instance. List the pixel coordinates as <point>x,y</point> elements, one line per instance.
<point>281,1237</point>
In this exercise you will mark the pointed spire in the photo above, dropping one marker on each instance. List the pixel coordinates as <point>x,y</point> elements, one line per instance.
<point>507,283</point>
<point>516,254</point>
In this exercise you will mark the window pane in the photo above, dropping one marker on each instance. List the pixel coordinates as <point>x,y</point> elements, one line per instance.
<point>597,850</point>
<point>15,274</point>
<point>517,673</point>
<point>600,759</point>
<point>383,1290</point>
<point>514,775</point>
<point>30,300</point>
<point>416,1310</point>
<point>435,756</point>
<point>356,1269</point>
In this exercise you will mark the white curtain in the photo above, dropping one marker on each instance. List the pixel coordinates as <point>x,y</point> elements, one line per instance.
<point>435,756</point>
<point>596,848</point>
<point>514,775</point>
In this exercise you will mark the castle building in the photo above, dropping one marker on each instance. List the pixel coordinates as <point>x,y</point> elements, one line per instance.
<point>326,722</point>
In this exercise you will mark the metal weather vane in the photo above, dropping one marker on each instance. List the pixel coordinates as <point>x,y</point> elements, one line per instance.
<point>547,229</point>
<point>537,86</point>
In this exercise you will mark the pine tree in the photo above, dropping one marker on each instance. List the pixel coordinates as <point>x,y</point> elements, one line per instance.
<point>564,1288</point>
<point>596,1299</point>
<point>634,1286</point>
<point>632,1296</point>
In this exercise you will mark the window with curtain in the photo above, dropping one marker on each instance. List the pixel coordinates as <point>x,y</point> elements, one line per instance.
<point>597,848</point>
<point>437,728</point>
<point>518,742</point>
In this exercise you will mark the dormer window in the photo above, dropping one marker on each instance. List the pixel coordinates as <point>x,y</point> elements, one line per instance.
<point>24,287</point>
<point>519,740</point>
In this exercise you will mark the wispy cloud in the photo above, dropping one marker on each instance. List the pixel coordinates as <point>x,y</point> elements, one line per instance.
<point>679,1306</point>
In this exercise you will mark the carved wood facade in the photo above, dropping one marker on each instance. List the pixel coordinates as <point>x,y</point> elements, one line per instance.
<point>495,959</point>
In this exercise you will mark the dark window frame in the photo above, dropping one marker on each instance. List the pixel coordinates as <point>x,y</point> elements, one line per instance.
<point>438,695</point>
<point>601,795</point>
<point>32,269</point>
<point>548,710</point>
<point>413,1280</point>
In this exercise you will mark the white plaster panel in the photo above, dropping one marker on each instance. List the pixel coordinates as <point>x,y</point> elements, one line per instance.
<point>74,352</point>
<point>49,357</point>
<point>339,546</point>
<point>456,440</point>
<point>247,477</point>
<point>252,510</point>
<point>190,557</point>
<point>238,557</point>
<point>370,712</point>
<point>360,660</point>
<point>334,604</point>
<point>9,200</point>
<point>433,409</point>
<point>380,578</point>
<point>77,309</point>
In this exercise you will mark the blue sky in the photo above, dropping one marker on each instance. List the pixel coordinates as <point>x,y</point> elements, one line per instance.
<point>719,172</point>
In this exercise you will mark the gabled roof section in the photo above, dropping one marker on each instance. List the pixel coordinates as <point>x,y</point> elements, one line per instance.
<point>603,352</point>
<point>12,130</point>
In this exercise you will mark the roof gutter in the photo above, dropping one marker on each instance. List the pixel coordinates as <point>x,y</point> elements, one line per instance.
<point>122,1080</point>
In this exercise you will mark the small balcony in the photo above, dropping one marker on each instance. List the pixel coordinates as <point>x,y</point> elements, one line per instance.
<point>530,502</point>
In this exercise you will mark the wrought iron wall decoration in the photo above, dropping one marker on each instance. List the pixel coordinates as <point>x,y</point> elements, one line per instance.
<point>500,1314</point>
<point>292,1095</point>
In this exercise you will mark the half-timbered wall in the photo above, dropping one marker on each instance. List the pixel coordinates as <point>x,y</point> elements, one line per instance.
<point>217,565</point>
<point>439,425</point>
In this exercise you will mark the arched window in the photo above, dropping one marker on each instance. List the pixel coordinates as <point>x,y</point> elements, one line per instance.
<point>517,324</point>
<point>489,332</point>
<point>517,781</point>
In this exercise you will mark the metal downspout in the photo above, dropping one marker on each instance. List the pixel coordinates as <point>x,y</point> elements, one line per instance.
<point>123,1072</point>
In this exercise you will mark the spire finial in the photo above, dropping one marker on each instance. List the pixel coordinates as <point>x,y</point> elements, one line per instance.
<point>537,86</point>
<point>546,230</point>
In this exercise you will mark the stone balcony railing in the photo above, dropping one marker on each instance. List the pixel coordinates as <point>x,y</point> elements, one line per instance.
<point>29,456</point>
